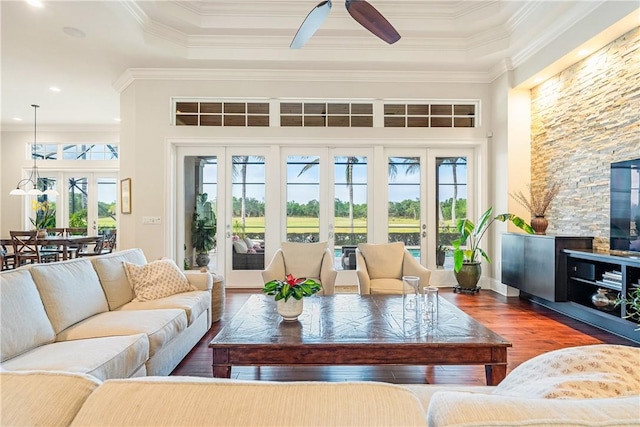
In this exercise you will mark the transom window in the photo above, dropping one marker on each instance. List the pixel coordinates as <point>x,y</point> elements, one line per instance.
<point>75,151</point>
<point>434,115</point>
<point>324,113</point>
<point>222,113</point>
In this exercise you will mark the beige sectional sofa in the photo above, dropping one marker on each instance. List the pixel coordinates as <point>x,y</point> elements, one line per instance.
<point>82,316</point>
<point>582,386</point>
<point>73,337</point>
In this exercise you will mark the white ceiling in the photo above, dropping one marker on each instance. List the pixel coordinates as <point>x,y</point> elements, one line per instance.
<point>472,40</point>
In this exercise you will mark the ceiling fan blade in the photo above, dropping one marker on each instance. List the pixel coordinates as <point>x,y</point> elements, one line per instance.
<point>311,23</point>
<point>367,16</point>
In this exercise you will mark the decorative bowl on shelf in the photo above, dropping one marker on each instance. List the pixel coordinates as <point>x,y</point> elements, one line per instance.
<point>604,300</point>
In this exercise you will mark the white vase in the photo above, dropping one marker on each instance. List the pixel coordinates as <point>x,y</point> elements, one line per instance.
<point>291,309</point>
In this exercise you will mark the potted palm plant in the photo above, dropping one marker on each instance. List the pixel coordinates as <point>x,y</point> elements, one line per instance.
<point>467,253</point>
<point>203,230</point>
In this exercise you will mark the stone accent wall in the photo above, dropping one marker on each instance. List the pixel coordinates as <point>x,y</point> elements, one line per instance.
<point>582,119</point>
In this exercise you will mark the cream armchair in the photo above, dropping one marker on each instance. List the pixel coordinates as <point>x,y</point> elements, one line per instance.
<point>309,260</point>
<point>380,268</point>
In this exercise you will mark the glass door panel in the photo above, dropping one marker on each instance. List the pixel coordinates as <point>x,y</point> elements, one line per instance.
<point>303,199</point>
<point>107,206</point>
<point>248,193</point>
<point>404,199</point>
<point>350,212</point>
<point>78,203</point>
<point>451,199</point>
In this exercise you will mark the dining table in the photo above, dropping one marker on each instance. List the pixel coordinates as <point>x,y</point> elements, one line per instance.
<point>64,242</point>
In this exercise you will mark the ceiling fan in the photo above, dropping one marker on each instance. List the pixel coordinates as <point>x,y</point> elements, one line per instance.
<point>360,10</point>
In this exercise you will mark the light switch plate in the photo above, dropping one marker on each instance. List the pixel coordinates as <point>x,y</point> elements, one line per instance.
<point>152,220</point>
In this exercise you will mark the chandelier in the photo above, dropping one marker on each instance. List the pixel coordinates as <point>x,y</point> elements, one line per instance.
<point>29,186</point>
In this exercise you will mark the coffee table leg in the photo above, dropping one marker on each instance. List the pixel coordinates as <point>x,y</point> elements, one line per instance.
<point>221,366</point>
<point>495,373</point>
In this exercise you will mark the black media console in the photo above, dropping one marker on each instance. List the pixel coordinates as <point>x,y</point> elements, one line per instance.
<point>563,273</point>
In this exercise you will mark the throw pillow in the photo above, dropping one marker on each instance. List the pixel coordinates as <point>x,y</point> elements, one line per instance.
<point>595,371</point>
<point>248,242</point>
<point>157,279</point>
<point>240,247</point>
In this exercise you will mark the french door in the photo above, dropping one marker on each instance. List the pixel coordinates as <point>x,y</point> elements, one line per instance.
<point>427,191</point>
<point>89,201</point>
<point>264,195</point>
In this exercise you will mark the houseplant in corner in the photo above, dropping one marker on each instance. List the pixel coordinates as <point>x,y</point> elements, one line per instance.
<point>467,252</point>
<point>203,230</point>
<point>288,294</point>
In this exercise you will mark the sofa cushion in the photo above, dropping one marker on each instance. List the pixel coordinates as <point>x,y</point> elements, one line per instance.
<point>70,291</point>
<point>24,324</point>
<point>199,402</point>
<point>41,398</point>
<point>156,279</point>
<point>594,371</point>
<point>384,261</point>
<point>103,358</point>
<point>161,326</point>
<point>193,303</point>
<point>460,409</point>
<point>303,259</point>
<point>112,276</point>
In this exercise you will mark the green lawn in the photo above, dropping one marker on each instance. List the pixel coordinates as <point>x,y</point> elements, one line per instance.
<point>310,225</point>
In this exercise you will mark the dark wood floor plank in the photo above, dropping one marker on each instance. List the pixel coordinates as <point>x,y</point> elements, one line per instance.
<point>531,329</point>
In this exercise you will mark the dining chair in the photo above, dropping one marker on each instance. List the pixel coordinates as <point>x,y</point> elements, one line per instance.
<point>26,248</point>
<point>7,259</point>
<point>92,248</point>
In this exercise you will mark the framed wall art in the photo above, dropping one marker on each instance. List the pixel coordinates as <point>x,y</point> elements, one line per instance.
<point>125,196</point>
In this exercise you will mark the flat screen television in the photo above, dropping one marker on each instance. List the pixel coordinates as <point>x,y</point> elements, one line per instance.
<point>625,210</point>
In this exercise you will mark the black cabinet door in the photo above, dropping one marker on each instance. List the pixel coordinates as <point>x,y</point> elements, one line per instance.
<point>513,260</point>
<point>540,268</point>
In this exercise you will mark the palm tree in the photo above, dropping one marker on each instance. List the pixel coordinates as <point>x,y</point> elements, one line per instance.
<point>412,165</point>
<point>351,160</point>
<point>240,168</point>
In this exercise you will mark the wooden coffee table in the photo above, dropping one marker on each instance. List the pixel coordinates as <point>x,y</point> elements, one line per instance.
<point>352,329</point>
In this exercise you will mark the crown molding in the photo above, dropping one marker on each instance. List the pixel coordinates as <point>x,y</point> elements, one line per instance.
<point>180,74</point>
<point>44,127</point>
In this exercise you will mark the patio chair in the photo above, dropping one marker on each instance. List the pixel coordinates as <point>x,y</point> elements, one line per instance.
<point>303,260</point>
<point>380,268</point>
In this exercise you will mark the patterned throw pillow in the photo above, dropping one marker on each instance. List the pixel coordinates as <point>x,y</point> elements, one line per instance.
<point>594,371</point>
<point>157,279</point>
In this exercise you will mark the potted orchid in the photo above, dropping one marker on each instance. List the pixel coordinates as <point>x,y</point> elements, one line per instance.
<point>45,215</point>
<point>289,292</point>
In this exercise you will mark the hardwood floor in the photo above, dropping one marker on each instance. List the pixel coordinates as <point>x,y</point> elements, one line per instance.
<point>531,329</point>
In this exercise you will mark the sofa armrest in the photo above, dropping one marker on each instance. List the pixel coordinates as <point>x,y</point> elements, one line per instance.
<point>411,267</point>
<point>275,269</point>
<point>364,281</point>
<point>201,280</point>
<point>328,273</point>
<point>461,409</point>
